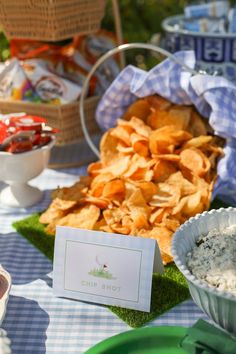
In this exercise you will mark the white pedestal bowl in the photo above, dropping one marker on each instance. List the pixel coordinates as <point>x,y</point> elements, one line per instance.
<point>17,170</point>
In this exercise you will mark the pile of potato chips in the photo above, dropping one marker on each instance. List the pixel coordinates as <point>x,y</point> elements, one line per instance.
<point>157,169</point>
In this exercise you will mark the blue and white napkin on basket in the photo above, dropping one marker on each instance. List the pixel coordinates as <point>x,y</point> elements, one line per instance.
<point>214,98</point>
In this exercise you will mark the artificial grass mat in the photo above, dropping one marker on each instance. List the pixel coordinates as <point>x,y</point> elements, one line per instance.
<point>168,290</point>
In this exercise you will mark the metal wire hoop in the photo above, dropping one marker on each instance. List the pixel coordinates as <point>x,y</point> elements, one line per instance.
<point>104,57</point>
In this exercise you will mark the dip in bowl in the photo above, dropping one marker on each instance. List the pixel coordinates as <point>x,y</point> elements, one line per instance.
<point>207,262</point>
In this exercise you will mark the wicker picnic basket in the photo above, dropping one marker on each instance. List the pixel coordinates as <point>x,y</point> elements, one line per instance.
<point>64,117</point>
<point>50,20</point>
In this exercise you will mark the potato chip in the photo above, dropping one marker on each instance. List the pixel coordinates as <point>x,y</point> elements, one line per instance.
<point>51,227</point>
<point>166,258</point>
<point>177,117</point>
<point>83,218</point>
<point>143,174</point>
<point>157,119</point>
<point>196,125</point>
<point>139,210</point>
<point>121,134</point>
<point>114,189</point>
<point>120,229</point>
<point>213,159</point>
<point>181,116</point>
<point>140,163</point>
<point>98,183</point>
<point>195,161</point>
<point>170,222</point>
<point>148,189</point>
<point>157,102</point>
<point>137,125</point>
<point>110,216</point>
<point>130,188</point>
<point>85,180</point>
<point>118,168</point>
<point>163,236</point>
<point>140,144</point>
<point>94,169</point>
<point>193,204</point>
<point>205,189</point>
<point>157,169</point>
<point>125,149</point>
<point>180,136</point>
<point>167,157</point>
<point>51,214</point>
<point>67,197</point>
<point>118,220</point>
<point>198,141</point>
<point>65,205</point>
<point>160,140</point>
<point>179,207</point>
<point>101,203</point>
<point>101,222</point>
<point>139,109</point>
<point>166,196</point>
<point>186,187</point>
<point>157,215</point>
<point>108,148</point>
<point>73,193</point>
<point>162,170</point>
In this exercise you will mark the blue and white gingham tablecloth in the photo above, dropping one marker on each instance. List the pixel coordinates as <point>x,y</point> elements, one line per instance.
<point>38,322</point>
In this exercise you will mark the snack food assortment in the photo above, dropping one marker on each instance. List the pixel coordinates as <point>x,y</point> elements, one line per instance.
<point>14,83</point>
<point>49,73</point>
<point>49,86</point>
<point>157,169</point>
<point>24,132</point>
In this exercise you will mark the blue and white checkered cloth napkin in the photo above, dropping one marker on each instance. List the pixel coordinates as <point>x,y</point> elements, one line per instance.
<point>213,97</point>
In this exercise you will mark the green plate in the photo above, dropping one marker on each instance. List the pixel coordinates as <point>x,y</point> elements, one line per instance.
<point>148,340</point>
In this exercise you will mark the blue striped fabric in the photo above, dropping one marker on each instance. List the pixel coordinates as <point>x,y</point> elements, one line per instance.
<point>38,322</point>
<point>214,97</point>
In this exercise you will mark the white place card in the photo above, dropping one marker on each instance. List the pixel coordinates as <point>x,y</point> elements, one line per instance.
<point>105,268</point>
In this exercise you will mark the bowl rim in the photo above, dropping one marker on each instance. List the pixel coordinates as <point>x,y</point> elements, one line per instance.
<point>44,147</point>
<point>184,269</point>
<point>4,299</point>
<point>166,25</point>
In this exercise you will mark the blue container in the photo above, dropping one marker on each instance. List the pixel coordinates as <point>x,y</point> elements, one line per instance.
<point>215,52</point>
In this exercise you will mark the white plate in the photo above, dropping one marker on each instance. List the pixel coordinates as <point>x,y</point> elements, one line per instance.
<point>4,342</point>
<point>4,298</point>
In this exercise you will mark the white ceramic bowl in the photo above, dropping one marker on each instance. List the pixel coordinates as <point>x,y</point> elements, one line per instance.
<point>220,306</point>
<point>17,169</point>
<point>4,299</point>
<point>214,51</point>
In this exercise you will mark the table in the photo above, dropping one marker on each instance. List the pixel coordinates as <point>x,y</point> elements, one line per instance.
<point>38,322</point>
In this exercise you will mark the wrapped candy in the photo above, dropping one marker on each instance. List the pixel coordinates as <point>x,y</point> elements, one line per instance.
<point>15,85</point>
<point>22,133</point>
<point>50,87</point>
